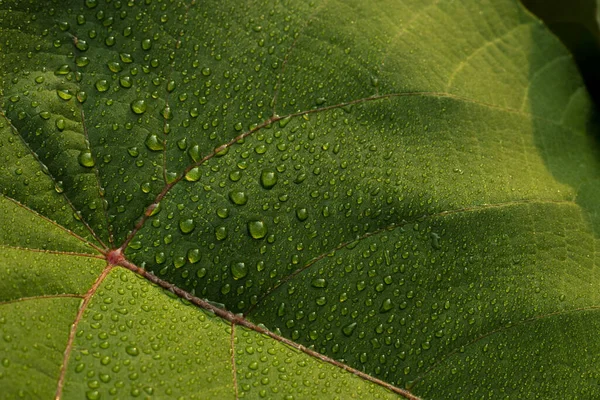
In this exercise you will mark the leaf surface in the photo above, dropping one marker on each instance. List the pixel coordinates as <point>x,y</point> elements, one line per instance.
<point>295,200</point>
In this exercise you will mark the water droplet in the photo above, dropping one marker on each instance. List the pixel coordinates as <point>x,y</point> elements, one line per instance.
<point>206,71</point>
<point>85,159</point>
<point>223,212</point>
<point>386,306</point>
<point>194,153</point>
<point>187,225</point>
<point>64,94</point>
<point>257,229</point>
<point>146,44</point>
<point>302,214</point>
<point>154,143</point>
<point>221,233</point>
<point>132,350</point>
<point>348,329</point>
<point>193,255</point>
<point>60,124</point>
<point>239,270</point>
<point>268,178</point>
<point>126,82</point>
<point>102,85</point>
<point>193,174</point>
<point>319,283</point>
<point>138,106</point>
<point>239,198</point>
<point>115,66</point>
<point>126,57</point>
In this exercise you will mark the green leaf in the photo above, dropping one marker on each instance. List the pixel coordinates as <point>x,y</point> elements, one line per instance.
<point>295,199</point>
<point>577,24</point>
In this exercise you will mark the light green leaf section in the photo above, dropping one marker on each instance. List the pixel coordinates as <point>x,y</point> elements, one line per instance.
<point>269,369</point>
<point>33,336</point>
<point>409,188</point>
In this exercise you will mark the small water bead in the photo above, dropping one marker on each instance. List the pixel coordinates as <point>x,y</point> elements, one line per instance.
<point>239,270</point>
<point>268,178</point>
<point>223,212</point>
<point>239,198</point>
<point>187,225</point>
<point>146,44</point>
<point>86,159</point>
<point>206,71</point>
<point>257,229</point>
<point>138,106</point>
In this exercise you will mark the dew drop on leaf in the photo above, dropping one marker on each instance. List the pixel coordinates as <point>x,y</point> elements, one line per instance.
<point>268,178</point>
<point>154,143</point>
<point>86,159</point>
<point>239,270</point>
<point>238,197</point>
<point>187,225</point>
<point>138,106</point>
<point>257,229</point>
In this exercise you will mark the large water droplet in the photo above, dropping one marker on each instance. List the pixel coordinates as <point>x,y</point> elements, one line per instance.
<point>239,198</point>
<point>193,255</point>
<point>187,225</point>
<point>302,214</point>
<point>268,178</point>
<point>257,229</point>
<point>138,106</point>
<point>85,159</point>
<point>239,270</point>
<point>319,283</point>
<point>154,143</point>
<point>348,329</point>
<point>102,85</point>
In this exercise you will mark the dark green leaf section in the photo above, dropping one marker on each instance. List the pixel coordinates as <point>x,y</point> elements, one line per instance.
<point>32,340</point>
<point>503,357</point>
<point>407,298</point>
<point>419,202</point>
